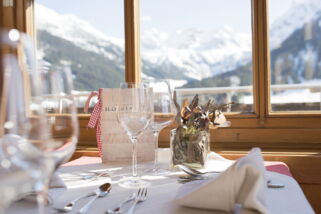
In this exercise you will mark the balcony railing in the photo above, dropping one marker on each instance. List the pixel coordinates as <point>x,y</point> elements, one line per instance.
<point>228,93</point>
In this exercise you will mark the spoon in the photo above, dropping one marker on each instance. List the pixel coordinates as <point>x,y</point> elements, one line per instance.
<point>117,210</point>
<point>102,191</point>
<point>193,172</point>
<point>68,207</point>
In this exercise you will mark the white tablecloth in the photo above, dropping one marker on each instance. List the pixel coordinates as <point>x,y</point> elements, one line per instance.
<point>288,200</point>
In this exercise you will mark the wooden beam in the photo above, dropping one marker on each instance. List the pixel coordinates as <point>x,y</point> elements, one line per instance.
<point>261,78</point>
<point>2,105</point>
<point>132,44</point>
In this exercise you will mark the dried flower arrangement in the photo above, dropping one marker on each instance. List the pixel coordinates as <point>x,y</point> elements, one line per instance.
<point>190,140</point>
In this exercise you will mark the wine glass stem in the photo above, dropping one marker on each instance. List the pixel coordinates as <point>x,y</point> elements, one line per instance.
<point>43,187</point>
<point>134,141</point>
<point>156,134</point>
<point>41,200</point>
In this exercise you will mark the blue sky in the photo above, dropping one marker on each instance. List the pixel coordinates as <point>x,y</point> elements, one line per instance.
<point>166,15</point>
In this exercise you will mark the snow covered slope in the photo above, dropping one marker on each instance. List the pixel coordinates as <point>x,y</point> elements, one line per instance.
<point>187,54</point>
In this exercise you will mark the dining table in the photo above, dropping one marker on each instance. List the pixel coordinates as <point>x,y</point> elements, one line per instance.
<point>83,175</point>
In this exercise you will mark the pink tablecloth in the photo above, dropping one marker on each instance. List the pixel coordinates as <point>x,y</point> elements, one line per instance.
<point>277,166</point>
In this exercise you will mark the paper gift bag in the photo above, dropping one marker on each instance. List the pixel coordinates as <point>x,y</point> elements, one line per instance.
<point>113,143</point>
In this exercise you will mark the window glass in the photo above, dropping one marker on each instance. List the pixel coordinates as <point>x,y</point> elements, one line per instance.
<point>86,35</point>
<point>295,53</point>
<point>203,47</point>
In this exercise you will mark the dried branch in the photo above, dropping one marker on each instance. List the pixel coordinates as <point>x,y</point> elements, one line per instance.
<point>196,117</point>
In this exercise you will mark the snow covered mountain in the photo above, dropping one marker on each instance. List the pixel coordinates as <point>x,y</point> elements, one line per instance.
<point>199,53</point>
<point>77,31</point>
<point>187,54</point>
<point>196,52</point>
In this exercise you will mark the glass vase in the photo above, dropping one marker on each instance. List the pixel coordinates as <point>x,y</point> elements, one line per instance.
<point>190,149</point>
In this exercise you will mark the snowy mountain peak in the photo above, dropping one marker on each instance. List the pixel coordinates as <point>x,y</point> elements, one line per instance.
<point>66,25</point>
<point>71,28</point>
<point>200,53</point>
<point>195,53</point>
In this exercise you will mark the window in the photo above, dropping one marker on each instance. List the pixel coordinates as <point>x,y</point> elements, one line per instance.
<point>203,47</point>
<point>88,37</point>
<point>295,55</point>
<point>262,118</point>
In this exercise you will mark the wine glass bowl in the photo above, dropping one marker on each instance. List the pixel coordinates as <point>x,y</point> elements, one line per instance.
<point>134,121</point>
<point>60,113</point>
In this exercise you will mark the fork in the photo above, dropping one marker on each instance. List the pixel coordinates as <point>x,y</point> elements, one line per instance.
<point>140,197</point>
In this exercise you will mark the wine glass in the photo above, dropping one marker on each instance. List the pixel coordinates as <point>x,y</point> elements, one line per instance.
<point>24,136</point>
<point>164,111</point>
<point>40,122</point>
<point>134,112</point>
<point>58,105</point>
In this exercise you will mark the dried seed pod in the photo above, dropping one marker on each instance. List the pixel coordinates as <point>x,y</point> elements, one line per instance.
<point>186,113</point>
<point>197,109</point>
<point>185,109</point>
<point>194,102</point>
<point>207,106</point>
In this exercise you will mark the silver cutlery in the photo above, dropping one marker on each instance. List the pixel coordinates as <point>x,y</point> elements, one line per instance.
<point>117,210</point>
<point>274,185</point>
<point>102,191</point>
<point>95,176</point>
<point>92,175</point>
<point>184,179</point>
<point>69,206</point>
<point>140,197</point>
<point>193,172</point>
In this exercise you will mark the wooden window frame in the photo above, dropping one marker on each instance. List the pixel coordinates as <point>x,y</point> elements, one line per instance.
<point>18,15</point>
<point>272,131</point>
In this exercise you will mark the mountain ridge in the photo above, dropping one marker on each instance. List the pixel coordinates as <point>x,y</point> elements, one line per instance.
<point>192,55</point>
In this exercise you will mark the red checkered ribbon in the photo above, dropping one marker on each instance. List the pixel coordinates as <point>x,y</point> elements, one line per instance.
<point>92,94</point>
<point>94,120</point>
<point>95,115</point>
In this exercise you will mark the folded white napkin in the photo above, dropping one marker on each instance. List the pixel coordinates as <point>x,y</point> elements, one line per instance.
<point>243,183</point>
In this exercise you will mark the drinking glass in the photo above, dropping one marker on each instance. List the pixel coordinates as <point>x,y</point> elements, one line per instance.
<point>38,116</point>
<point>134,112</point>
<point>58,105</point>
<point>23,129</point>
<point>164,111</point>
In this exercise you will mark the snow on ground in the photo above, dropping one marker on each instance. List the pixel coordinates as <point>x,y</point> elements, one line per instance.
<point>304,95</point>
